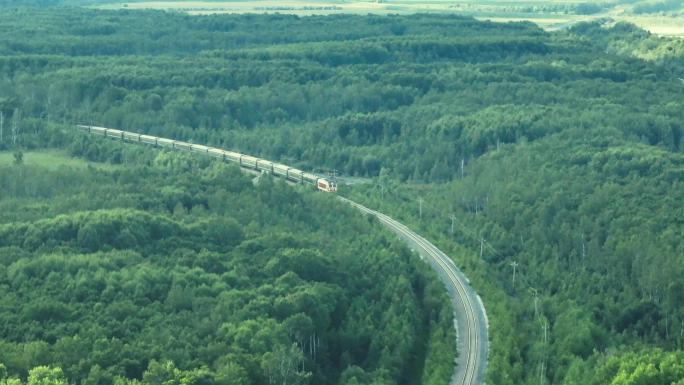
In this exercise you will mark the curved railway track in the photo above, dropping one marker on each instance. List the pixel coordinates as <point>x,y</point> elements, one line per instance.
<point>469,313</point>
<point>470,318</point>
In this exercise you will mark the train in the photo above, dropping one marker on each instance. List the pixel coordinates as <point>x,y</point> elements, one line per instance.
<point>244,160</point>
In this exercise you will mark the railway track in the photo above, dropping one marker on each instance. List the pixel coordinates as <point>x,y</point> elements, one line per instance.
<point>469,313</point>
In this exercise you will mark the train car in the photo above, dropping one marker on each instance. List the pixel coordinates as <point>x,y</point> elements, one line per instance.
<point>326,185</point>
<point>199,148</point>
<point>111,133</point>
<point>280,169</point>
<point>295,175</point>
<point>264,165</point>
<point>92,129</point>
<point>217,153</point>
<point>311,178</point>
<point>132,136</point>
<point>149,139</point>
<point>233,156</point>
<point>182,146</point>
<point>248,161</point>
<point>165,142</point>
<point>97,130</point>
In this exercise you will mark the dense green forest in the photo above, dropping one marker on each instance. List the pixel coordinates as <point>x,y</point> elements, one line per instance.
<point>595,227</point>
<point>178,269</point>
<point>561,153</point>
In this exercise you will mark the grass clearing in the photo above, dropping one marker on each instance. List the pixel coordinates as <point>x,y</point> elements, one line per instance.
<point>50,159</point>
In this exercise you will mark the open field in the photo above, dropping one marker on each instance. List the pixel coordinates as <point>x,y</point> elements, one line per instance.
<point>549,14</point>
<point>660,25</point>
<point>295,7</point>
<point>50,159</point>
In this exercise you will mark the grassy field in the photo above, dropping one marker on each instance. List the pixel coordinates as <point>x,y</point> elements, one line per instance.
<point>660,25</point>
<point>549,14</point>
<point>51,159</point>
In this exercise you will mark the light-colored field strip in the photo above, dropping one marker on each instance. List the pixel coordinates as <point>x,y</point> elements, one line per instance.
<point>493,10</point>
<point>51,159</point>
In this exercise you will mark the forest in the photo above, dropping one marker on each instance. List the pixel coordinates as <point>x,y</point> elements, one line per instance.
<point>174,269</point>
<point>558,155</point>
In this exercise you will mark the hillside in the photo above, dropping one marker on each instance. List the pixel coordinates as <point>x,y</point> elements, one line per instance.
<point>558,153</point>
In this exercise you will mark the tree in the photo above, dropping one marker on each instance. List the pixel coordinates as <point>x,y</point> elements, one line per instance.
<point>652,367</point>
<point>16,117</point>
<point>179,298</point>
<point>285,366</point>
<point>45,375</point>
<point>232,374</point>
<point>89,235</point>
<point>18,157</point>
<point>161,374</point>
<point>97,376</point>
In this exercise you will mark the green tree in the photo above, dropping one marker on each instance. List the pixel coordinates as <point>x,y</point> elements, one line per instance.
<point>232,374</point>
<point>45,375</point>
<point>18,157</point>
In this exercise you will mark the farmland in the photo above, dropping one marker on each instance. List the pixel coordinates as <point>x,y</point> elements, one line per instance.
<point>549,14</point>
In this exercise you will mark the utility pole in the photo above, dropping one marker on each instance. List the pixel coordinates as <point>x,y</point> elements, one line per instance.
<point>382,191</point>
<point>462,166</point>
<point>420,208</point>
<point>49,100</point>
<point>481,247</point>
<point>542,372</point>
<point>667,331</point>
<point>453,218</point>
<point>15,126</point>
<point>515,265</point>
<point>535,294</point>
